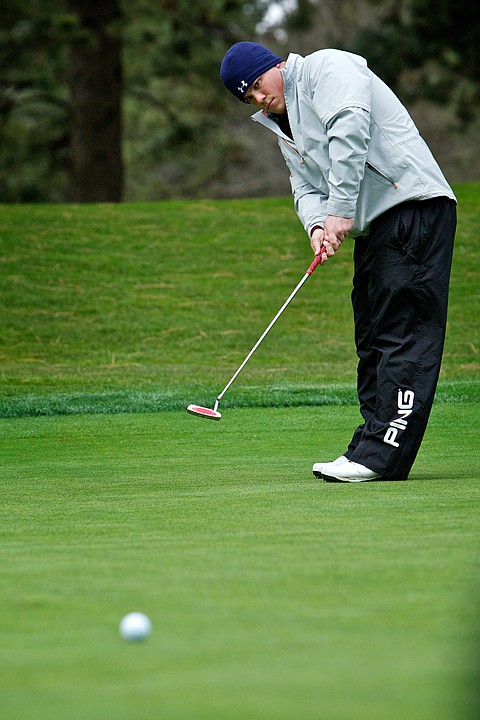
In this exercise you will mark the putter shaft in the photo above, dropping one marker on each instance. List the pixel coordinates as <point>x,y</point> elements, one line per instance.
<point>265,333</point>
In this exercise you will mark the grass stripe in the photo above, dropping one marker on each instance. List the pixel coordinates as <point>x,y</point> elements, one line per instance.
<point>131,401</point>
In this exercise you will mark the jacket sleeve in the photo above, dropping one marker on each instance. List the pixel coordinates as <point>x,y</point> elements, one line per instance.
<point>348,137</point>
<point>339,86</point>
<point>310,203</point>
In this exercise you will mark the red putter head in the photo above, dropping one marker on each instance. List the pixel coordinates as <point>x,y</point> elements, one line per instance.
<point>204,412</point>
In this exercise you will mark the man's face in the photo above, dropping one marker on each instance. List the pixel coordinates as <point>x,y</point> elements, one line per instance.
<point>266,92</point>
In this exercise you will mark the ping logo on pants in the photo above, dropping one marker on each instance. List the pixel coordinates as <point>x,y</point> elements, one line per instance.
<point>405,409</point>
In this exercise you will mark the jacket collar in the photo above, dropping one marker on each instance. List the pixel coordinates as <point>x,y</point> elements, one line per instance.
<point>290,72</point>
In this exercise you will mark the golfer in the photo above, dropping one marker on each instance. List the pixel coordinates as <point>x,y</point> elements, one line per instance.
<point>359,168</point>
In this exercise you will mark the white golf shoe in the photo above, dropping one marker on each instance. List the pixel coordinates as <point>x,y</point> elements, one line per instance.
<point>349,472</point>
<point>317,469</point>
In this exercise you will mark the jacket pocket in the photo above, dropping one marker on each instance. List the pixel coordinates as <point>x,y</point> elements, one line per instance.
<point>380,174</point>
<point>412,231</point>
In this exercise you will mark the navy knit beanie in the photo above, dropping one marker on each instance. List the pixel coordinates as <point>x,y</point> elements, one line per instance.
<point>243,64</point>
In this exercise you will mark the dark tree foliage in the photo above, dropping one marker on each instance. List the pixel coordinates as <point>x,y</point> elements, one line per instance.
<point>301,18</point>
<point>122,98</point>
<point>439,40</point>
<point>72,69</point>
<point>34,106</point>
<point>449,31</point>
<point>174,101</point>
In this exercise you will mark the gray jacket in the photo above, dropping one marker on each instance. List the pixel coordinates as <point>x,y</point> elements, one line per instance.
<point>355,151</point>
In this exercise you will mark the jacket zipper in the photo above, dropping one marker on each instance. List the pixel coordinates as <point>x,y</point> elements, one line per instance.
<point>377,172</point>
<point>302,160</point>
<point>368,164</point>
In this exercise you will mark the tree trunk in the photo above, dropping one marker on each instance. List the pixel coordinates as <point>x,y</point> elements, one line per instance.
<point>96,85</point>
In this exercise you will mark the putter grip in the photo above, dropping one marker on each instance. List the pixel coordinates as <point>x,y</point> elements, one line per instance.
<point>316,261</point>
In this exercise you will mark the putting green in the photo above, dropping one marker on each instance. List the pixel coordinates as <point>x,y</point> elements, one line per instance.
<point>273,596</point>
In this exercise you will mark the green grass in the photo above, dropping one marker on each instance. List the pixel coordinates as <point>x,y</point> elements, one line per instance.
<point>272,595</point>
<point>142,306</point>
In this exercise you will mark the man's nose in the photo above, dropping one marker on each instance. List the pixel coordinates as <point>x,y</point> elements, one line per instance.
<point>259,97</point>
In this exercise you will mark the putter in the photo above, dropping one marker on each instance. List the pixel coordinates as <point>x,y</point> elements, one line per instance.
<point>214,414</point>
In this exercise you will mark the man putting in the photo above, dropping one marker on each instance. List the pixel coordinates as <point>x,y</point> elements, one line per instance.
<point>359,168</point>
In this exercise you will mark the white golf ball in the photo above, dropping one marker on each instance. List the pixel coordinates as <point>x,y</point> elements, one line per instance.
<point>135,626</point>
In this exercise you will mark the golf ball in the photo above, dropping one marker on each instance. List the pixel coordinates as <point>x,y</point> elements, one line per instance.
<point>135,626</point>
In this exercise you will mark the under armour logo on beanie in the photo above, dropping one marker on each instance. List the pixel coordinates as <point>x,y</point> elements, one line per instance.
<point>244,63</point>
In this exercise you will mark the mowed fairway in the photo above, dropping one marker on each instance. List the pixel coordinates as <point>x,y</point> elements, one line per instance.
<point>272,595</point>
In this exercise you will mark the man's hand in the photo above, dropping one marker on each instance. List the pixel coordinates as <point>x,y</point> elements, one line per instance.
<point>316,243</point>
<point>335,231</point>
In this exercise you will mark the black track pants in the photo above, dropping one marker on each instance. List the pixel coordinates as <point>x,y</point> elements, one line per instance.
<point>399,298</point>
